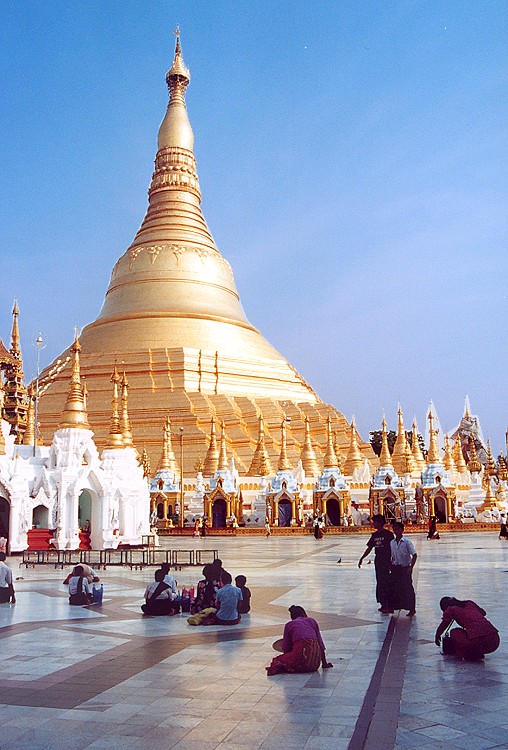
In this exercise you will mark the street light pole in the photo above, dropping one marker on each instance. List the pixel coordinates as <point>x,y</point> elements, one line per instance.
<point>182,517</point>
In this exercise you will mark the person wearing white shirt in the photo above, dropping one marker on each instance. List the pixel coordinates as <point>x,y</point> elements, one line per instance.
<point>6,588</point>
<point>169,580</point>
<point>403,559</point>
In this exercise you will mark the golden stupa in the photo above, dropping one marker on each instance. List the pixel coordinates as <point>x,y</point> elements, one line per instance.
<point>173,321</point>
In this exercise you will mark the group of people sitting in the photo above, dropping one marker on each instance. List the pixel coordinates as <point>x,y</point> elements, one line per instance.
<point>217,600</point>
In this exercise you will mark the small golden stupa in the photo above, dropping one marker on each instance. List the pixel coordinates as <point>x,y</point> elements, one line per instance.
<point>173,317</point>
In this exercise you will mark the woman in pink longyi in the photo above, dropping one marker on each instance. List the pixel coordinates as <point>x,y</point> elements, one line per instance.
<point>302,645</point>
<point>476,635</point>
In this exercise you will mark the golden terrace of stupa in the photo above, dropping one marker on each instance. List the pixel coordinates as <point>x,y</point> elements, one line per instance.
<point>173,321</point>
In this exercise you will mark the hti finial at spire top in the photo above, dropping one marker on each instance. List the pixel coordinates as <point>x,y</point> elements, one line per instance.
<point>178,73</point>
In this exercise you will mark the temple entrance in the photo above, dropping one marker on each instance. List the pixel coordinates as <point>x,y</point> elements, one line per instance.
<point>40,517</point>
<point>333,511</point>
<point>160,510</point>
<point>440,508</point>
<point>284,513</point>
<point>219,514</point>
<point>5,510</point>
<point>85,520</point>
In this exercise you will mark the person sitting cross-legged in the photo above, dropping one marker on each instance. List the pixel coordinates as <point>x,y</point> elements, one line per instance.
<point>159,597</point>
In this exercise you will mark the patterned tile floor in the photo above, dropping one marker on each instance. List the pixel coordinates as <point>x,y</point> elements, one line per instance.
<point>105,677</point>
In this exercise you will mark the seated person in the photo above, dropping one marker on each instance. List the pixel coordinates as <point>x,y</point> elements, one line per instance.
<point>206,590</point>
<point>227,599</point>
<point>169,579</point>
<point>159,597</point>
<point>476,635</point>
<point>88,572</point>
<point>80,591</point>
<point>302,645</point>
<point>244,605</point>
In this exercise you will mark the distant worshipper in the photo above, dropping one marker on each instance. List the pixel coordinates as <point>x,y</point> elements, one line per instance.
<point>476,635</point>
<point>244,605</point>
<point>80,592</point>
<point>302,646</point>
<point>159,597</point>
<point>380,542</point>
<point>7,595</point>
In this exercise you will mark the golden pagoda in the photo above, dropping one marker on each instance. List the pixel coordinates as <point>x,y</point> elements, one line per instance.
<point>400,448</point>
<point>173,316</point>
<point>385,458</point>
<point>458,456</point>
<point>433,455</point>
<point>330,460</point>
<point>490,468</point>
<point>418,459</point>
<point>15,408</point>
<point>167,460</point>
<point>260,465</point>
<point>308,454</point>
<point>354,458</point>
<point>74,412</point>
<point>448,461</point>
<point>473,464</point>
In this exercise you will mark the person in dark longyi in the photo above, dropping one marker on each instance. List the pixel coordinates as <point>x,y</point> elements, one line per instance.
<point>380,542</point>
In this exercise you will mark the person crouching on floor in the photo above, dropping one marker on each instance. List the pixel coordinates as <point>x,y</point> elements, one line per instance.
<point>476,635</point>
<point>302,644</point>
<point>227,600</point>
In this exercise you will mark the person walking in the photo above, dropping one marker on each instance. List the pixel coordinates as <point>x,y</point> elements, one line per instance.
<point>403,559</point>
<point>380,542</point>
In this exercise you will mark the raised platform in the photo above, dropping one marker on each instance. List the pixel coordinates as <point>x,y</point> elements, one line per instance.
<point>443,528</point>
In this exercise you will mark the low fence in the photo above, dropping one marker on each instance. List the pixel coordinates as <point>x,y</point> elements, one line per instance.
<point>136,558</point>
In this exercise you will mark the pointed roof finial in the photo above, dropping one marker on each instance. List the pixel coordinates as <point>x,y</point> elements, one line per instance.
<point>490,468</point>
<point>448,461</point>
<point>178,72</point>
<point>330,460</point>
<point>354,458</point>
<point>212,454</point>
<point>260,464</point>
<point>400,448</point>
<point>15,348</point>
<point>223,455</point>
<point>467,408</point>
<point>433,455</point>
<point>308,455</point>
<point>125,424</point>
<point>74,413</point>
<point>473,464</point>
<point>115,437</point>
<point>283,464</point>
<point>167,460</point>
<point>416,449</point>
<point>385,458</point>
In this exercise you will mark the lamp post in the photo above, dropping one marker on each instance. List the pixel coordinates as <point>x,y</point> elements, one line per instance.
<point>182,521</point>
<point>39,342</point>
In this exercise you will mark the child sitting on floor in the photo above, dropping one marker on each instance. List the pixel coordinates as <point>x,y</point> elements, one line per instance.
<point>244,605</point>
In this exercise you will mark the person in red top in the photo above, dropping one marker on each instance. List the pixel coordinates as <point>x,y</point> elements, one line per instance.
<point>476,635</point>
<point>302,645</point>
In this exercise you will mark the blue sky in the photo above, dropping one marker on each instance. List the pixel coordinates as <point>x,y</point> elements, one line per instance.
<point>353,163</point>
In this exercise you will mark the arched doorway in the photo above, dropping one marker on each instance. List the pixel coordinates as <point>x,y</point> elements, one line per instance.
<point>219,513</point>
<point>5,510</point>
<point>284,512</point>
<point>85,509</point>
<point>333,511</point>
<point>440,508</point>
<point>40,517</point>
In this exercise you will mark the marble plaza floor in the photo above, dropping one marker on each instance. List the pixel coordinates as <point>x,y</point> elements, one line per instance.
<point>105,677</point>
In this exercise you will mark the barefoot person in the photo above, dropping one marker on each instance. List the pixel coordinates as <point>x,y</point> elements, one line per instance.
<point>403,559</point>
<point>302,645</point>
<point>380,543</point>
<point>476,635</point>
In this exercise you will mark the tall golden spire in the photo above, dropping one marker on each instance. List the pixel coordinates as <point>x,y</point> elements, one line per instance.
<point>330,460</point>
<point>503,469</point>
<point>416,450</point>
<point>85,394</point>
<point>115,437</point>
<point>283,464</point>
<point>448,461</point>
<point>145,464</point>
<point>338,452</point>
<point>125,424</point>
<point>167,460</point>
<point>399,449</point>
<point>490,468</point>
<point>354,458</point>
<point>458,456</point>
<point>433,455</point>
<point>490,501</point>
<point>74,413</point>
<point>473,464</point>
<point>260,464</point>
<point>29,436</point>
<point>16,398</point>
<point>212,454</point>
<point>308,455</point>
<point>223,455</point>
<point>385,458</point>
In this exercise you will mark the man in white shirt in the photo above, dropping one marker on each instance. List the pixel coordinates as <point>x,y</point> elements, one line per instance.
<point>169,580</point>
<point>6,588</point>
<point>403,559</point>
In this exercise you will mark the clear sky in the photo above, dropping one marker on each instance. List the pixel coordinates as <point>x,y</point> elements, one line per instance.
<point>353,162</point>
